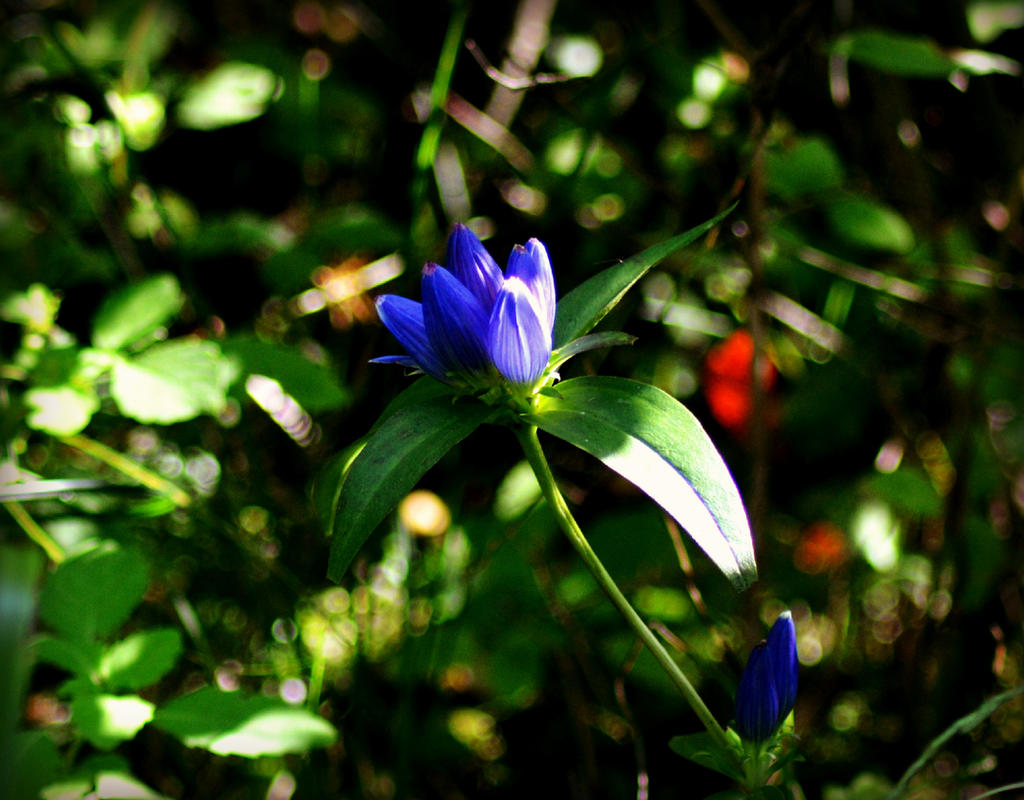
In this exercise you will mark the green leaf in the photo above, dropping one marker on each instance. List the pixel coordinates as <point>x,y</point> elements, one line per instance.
<point>172,382</point>
<point>895,53</point>
<point>592,341</point>
<point>702,749</point>
<point>918,56</point>
<point>651,439</point>
<point>91,594</point>
<point>235,724</point>
<point>19,575</point>
<point>137,310</point>
<point>769,793</point>
<point>965,724</point>
<point>313,386</point>
<point>232,93</point>
<point>61,410</point>
<point>36,763</point>
<point>870,224</point>
<point>140,659</point>
<point>807,167</point>
<point>586,305</point>
<point>80,657</point>
<point>408,443</point>
<point>106,720</point>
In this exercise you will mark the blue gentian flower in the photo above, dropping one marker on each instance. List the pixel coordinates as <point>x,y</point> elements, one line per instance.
<point>476,327</point>
<point>767,688</point>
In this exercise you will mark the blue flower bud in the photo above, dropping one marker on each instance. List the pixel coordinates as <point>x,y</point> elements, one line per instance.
<point>767,688</point>
<point>477,328</point>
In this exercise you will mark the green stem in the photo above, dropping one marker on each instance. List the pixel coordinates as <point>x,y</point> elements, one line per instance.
<point>527,436</point>
<point>34,532</point>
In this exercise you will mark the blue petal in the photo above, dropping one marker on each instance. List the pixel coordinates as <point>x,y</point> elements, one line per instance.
<point>757,703</point>
<point>533,267</point>
<point>405,361</point>
<point>468,260</point>
<point>404,318</point>
<point>456,323</point>
<point>782,647</point>
<point>518,341</point>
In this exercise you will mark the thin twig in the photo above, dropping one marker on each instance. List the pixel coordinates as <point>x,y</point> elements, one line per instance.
<point>515,83</point>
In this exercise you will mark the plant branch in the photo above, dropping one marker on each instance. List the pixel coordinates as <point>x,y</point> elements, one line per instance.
<point>527,436</point>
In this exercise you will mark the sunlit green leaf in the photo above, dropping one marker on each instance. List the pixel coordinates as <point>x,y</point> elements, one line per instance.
<point>106,720</point>
<point>232,93</point>
<point>35,308</point>
<point>61,410</point>
<point>651,439</point>
<point>140,659</point>
<point>172,381</point>
<point>235,724</point>
<point>586,305</point>
<point>408,443</point>
<point>136,310</point>
<point>91,594</point>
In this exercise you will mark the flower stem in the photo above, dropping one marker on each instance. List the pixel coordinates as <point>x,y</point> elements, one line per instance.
<point>527,436</point>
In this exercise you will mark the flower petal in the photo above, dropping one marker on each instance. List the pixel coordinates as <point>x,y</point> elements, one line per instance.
<point>404,318</point>
<point>782,646</point>
<point>757,703</point>
<point>455,321</point>
<point>468,260</point>
<point>517,340</point>
<point>533,267</point>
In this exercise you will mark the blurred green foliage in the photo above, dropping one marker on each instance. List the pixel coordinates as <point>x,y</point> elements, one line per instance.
<point>198,202</point>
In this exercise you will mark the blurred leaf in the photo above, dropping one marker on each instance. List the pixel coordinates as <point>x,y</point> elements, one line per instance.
<point>91,594</point>
<point>172,381</point>
<point>807,167</point>
<point>20,568</point>
<point>965,724</point>
<point>232,93</point>
<point>652,440</point>
<point>869,224</point>
<point>61,410</point>
<point>35,308</point>
<point>988,19</point>
<point>408,443</point>
<point>140,659</point>
<point>331,236</point>
<point>132,312</point>
<point>106,720</point>
<point>895,53</point>
<point>704,750</point>
<point>235,724</point>
<point>769,793</point>
<point>908,490</point>
<point>586,305</point>
<point>917,56</point>
<point>76,656</point>
<point>241,232</point>
<point>315,387</point>
<point>36,764</point>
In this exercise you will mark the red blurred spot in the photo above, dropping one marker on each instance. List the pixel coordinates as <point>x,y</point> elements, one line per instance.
<point>822,548</point>
<point>727,381</point>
